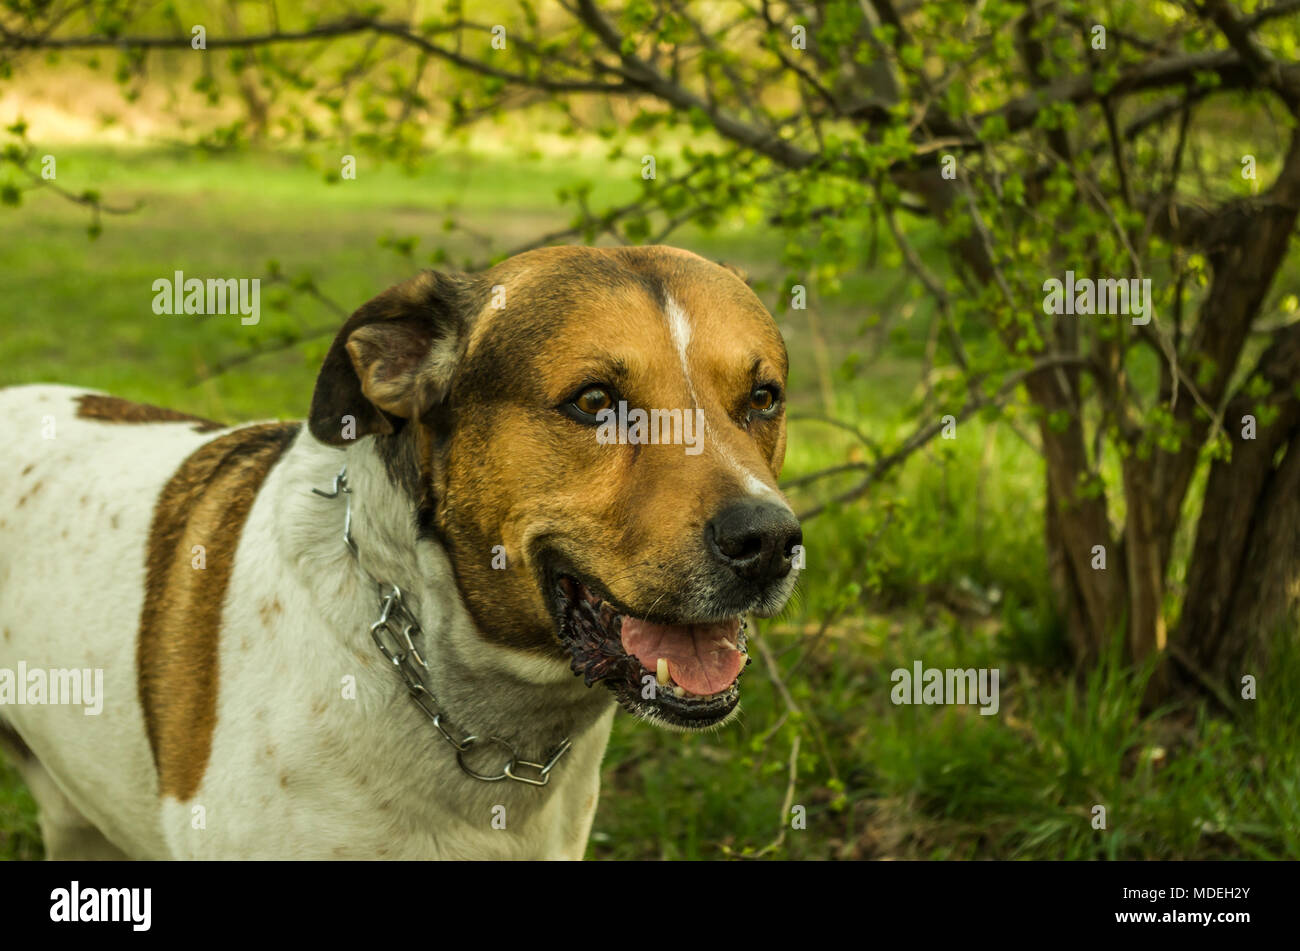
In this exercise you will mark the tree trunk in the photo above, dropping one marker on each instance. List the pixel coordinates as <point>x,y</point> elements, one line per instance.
<point>1243,576</point>
<point>1243,581</point>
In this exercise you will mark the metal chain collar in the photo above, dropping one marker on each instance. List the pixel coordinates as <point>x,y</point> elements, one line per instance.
<point>394,633</point>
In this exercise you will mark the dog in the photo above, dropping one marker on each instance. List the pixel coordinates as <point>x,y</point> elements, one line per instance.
<point>402,629</point>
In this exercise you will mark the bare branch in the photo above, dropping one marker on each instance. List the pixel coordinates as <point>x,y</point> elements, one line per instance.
<point>349,26</point>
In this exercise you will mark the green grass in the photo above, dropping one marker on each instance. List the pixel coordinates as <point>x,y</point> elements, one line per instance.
<point>19,836</point>
<point>943,563</point>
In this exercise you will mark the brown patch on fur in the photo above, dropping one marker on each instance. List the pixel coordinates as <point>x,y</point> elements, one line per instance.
<point>113,409</point>
<point>267,610</point>
<point>28,468</point>
<point>7,634</point>
<point>205,503</point>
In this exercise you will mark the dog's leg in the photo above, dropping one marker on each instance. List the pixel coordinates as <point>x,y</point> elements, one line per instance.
<point>12,745</point>
<point>67,834</point>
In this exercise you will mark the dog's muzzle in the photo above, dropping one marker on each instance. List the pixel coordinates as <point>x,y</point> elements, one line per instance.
<point>681,668</point>
<point>676,675</point>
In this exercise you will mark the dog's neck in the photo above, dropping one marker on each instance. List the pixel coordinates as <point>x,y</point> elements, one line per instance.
<point>481,687</point>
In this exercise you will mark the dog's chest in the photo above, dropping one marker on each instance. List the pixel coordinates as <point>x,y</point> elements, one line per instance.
<point>319,753</point>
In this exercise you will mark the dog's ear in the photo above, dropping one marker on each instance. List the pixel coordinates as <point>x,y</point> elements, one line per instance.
<point>392,361</point>
<point>739,272</point>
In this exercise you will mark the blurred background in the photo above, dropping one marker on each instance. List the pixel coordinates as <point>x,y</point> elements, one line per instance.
<point>899,181</point>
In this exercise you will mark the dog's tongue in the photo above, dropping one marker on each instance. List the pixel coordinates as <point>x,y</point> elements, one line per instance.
<point>702,658</point>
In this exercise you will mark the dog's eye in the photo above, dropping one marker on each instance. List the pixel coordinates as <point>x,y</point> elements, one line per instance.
<point>589,402</point>
<point>594,400</point>
<point>764,401</point>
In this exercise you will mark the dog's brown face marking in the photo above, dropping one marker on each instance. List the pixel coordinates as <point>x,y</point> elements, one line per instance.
<point>667,330</point>
<point>111,409</point>
<point>205,503</point>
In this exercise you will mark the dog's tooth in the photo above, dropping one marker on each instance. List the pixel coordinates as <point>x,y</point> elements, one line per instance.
<point>661,671</point>
<point>679,692</point>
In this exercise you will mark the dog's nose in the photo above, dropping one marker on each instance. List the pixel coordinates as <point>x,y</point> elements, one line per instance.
<point>755,539</point>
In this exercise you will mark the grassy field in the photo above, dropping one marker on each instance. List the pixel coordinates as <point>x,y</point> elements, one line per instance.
<point>942,565</point>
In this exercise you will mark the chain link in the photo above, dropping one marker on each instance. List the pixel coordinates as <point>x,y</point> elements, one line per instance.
<point>394,633</point>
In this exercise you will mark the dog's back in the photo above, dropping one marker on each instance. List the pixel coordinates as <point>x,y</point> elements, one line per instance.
<point>84,472</point>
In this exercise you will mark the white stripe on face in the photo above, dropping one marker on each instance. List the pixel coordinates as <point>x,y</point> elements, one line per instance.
<point>679,325</point>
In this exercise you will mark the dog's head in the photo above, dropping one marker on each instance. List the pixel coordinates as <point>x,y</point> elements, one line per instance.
<point>594,436</point>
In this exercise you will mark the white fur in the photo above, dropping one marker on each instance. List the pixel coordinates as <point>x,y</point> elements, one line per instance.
<point>679,325</point>
<point>296,770</point>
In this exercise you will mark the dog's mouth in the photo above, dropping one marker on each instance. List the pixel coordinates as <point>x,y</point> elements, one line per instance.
<point>681,675</point>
